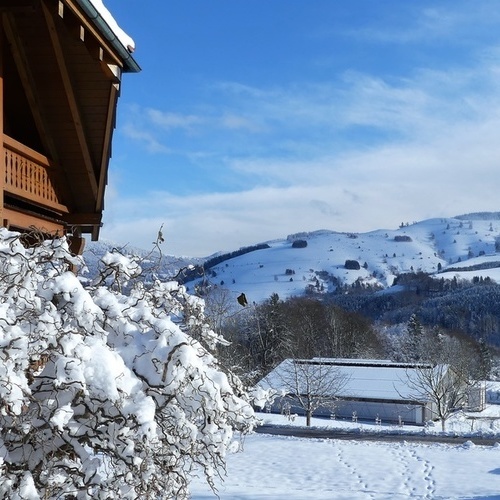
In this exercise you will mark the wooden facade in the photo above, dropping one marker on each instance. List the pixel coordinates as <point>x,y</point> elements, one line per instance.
<point>60,74</point>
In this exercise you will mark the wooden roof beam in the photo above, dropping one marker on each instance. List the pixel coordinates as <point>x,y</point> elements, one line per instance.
<point>82,20</point>
<point>94,47</point>
<point>88,223</point>
<point>80,219</point>
<point>72,100</point>
<point>106,153</point>
<point>106,150</point>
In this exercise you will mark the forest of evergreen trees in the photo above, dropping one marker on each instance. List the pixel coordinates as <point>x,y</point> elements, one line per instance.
<point>472,308</point>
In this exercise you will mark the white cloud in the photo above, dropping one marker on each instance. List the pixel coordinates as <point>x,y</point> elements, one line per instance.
<point>365,191</point>
<point>455,22</point>
<point>238,122</point>
<point>170,121</point>
<point>145,137</point>
<point>356,154</point>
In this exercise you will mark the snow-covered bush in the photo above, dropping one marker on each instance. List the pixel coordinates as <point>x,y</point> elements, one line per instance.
<point>109,390</point>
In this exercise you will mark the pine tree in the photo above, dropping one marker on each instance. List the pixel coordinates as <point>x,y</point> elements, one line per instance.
<point>485,360</point>
<point>414,339</point>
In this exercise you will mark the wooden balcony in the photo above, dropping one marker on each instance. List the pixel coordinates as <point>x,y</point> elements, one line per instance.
<point>29,176</point>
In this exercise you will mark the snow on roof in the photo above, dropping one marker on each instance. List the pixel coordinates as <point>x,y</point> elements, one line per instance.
<point>124,39</point>
<point>366,379</point>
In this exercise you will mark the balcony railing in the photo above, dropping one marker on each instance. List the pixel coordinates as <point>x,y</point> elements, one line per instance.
<point>28,176</point>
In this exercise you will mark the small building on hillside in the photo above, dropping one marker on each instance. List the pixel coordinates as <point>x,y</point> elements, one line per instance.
<point>365,389</point>
<point>61,66</point>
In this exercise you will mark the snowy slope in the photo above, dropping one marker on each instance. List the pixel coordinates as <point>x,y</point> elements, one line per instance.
<point>446,248</point>
<point>430,246</point>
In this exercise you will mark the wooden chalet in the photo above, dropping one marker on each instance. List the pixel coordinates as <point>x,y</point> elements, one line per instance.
<point>61,66</point>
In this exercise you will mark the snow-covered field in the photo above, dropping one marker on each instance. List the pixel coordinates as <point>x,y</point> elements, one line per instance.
<point>278,468</point>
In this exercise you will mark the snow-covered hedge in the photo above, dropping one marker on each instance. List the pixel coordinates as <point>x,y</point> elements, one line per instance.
<point>108,390</point>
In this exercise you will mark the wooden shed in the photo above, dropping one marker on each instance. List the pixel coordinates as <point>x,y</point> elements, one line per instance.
<point>61,65</point>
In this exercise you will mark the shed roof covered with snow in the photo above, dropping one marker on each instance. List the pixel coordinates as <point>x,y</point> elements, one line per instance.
<point>363,379</point>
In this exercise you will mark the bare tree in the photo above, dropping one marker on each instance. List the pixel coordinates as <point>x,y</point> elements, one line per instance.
<point>305,326</point>
<point>233,323</point>
<point>313,384</point>
<point>348,334</point>
<point>220,307</point>
<point>319,329</point>
<point>266,334</point>
<point>445,389</point>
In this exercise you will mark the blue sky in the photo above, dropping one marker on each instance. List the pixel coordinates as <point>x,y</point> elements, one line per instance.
<point>255,119</point>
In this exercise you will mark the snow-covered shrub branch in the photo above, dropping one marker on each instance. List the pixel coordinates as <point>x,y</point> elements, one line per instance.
<point>110,390</point>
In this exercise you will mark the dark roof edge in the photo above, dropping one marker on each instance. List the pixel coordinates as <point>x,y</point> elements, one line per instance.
<point>333,362</point>
<point>130,65</point>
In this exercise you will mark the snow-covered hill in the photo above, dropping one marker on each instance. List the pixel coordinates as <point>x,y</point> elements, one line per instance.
<point>464,246</point>
<point>458,246</point>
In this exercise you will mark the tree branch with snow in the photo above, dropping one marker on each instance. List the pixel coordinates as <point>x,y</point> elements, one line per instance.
<point>109,390</point>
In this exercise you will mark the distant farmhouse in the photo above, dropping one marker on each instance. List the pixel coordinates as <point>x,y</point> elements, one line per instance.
<point>61,66</point>
<point>361,389</point>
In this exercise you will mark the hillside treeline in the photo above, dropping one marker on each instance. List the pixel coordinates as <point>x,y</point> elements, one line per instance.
<point>263,335</point>
<point>200,271</point>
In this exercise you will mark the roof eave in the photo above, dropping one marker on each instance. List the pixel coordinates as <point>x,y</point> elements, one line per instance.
<point>129,63</point>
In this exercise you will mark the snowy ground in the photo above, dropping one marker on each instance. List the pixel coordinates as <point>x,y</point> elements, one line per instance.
<point>278,468</point>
